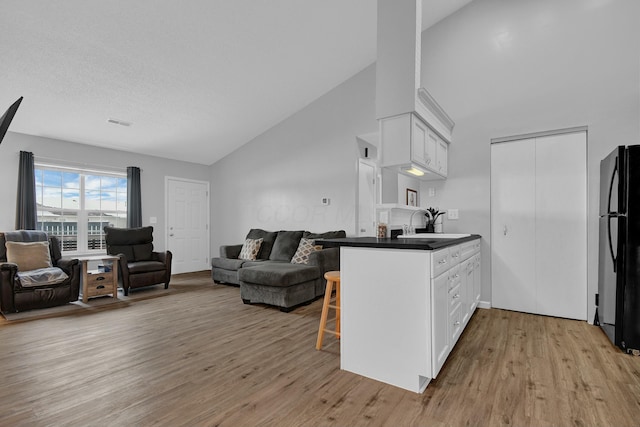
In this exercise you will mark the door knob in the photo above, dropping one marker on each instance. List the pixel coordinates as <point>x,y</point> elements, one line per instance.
<point>505,230</point>
<point>171,235</point>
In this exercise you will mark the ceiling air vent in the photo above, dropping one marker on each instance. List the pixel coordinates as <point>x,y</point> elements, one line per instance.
<point>119,122</point>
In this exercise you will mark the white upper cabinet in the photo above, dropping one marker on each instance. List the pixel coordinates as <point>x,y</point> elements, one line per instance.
<point>408,143</point>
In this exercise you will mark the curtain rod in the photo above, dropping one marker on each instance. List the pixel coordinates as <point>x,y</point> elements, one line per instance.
<point>79,165</point>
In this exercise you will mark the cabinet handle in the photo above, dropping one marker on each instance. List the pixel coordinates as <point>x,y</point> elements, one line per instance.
<point>100,278</point>
<point>442,261</point>
<point>100,287</point>
<point>456,296</point>
<point>456,323</point>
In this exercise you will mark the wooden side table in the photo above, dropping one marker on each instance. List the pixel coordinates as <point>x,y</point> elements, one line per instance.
<point>97,283</point>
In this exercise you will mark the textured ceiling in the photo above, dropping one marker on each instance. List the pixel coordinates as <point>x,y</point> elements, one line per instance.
<point>196,79</point>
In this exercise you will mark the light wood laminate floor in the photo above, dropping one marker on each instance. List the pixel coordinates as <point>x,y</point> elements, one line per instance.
<point>197,356</point>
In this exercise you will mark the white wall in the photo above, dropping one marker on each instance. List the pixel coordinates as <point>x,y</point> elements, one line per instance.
<point>276,181</point>
<point>502,68</point>
<point>154,169</point>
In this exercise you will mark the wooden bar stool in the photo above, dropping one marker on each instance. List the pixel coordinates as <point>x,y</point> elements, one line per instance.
<point>333,279</point>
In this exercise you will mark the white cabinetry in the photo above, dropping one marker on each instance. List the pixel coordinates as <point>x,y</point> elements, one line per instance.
<point>403,310</point>
<point>440,332</point>
<point>455,266</point>
<point>409,142</point>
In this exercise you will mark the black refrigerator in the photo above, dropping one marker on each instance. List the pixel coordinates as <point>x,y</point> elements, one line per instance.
<point>618,298</point>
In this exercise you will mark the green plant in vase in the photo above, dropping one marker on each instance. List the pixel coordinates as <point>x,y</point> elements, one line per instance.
<point>431,216</point>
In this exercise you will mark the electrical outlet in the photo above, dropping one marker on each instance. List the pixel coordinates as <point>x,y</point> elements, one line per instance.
<point>432,192</point>
<point>325,201</point>
<point>452,214</point>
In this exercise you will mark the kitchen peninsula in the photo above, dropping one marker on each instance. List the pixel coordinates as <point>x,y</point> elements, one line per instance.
<point>404,304</point>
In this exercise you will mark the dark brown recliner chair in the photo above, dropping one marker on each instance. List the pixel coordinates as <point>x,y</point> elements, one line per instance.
<point>139,265</point>
<point>42,291</point>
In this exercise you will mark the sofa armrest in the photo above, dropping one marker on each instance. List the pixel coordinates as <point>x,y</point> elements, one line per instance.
<point>123,269</point>
<point>230,251</point>
<point>8,272</point>
<point>326,260</point>
<point>71,266</point>
<point>165,257</point>
<point>67,263</point>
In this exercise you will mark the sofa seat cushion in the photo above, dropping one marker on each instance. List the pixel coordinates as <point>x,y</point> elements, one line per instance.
<point>279,274</point>
<point>145,267</point>
<point>259,262</point>
<point>232,264</point>
<point>42,277</point>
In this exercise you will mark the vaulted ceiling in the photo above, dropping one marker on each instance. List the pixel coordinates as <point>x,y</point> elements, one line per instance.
<point>191,80</point>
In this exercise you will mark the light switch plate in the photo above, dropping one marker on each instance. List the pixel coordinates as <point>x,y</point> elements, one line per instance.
<point>153,220</point>
<point>452,214</point>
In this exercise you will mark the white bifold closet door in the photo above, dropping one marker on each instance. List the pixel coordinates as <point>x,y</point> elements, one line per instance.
<point>539,225</point>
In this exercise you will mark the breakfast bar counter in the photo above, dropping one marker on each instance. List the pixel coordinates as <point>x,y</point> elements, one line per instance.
<point>404,304</point>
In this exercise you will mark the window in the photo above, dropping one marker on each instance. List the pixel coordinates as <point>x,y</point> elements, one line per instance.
<point>75,205</point>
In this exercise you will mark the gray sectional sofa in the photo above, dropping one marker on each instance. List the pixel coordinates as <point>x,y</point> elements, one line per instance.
<point>272,278</point>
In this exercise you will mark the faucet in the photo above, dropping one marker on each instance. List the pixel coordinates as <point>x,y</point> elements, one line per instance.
<point>411,229</point>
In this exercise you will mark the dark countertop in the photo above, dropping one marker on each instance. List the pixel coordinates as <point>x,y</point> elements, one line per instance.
<point>426,244</point>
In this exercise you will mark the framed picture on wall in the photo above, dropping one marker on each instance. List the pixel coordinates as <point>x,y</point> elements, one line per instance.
<point>412,197</point>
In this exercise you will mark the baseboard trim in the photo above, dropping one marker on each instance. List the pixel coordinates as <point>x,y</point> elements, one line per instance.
<point>484,304</point>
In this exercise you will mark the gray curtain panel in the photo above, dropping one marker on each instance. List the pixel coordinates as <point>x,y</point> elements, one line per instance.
<point>26,209</point>
<point>134,198</point>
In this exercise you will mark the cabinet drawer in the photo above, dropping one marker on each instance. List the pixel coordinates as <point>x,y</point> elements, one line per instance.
<point>99,284</point>
<point>467,249</point>
<point>455,254</point>
<point>440,262</point>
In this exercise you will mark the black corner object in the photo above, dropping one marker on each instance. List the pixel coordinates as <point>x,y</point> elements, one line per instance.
<point>5,121</point>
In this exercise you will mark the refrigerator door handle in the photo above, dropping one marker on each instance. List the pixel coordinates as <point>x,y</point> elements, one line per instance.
<point>613,176</point>
<point>613,258</point>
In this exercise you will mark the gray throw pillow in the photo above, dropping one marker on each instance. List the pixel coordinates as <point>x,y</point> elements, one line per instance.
<point>285,245</point>
<point>268,238</point>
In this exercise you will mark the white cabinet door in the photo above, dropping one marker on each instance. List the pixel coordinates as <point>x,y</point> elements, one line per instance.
<point>464,291</point>
<point>419,141</point>
<point>440,332</point>
<point>470,296</point>
<point>513,226</point>
<point>477,279</point>
<point>430,149</point>
<point>442,157</point>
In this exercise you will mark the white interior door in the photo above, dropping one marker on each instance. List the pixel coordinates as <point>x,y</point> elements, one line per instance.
<point>538,225</point>
<point>513,226</point>
<point>561,234</point>
<point>188,224</point>
<point>366,198</point>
